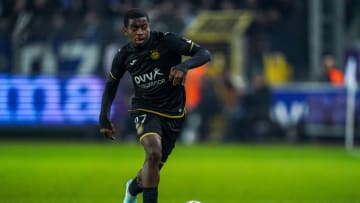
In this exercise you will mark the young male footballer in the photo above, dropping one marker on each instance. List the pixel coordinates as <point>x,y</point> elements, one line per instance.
<point>153,60</point>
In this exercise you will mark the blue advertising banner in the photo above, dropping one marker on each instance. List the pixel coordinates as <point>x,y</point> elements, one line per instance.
<point>48,100</point>
<point>321,109</point>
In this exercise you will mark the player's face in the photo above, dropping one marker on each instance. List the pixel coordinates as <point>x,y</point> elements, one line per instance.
<point>138,30</point>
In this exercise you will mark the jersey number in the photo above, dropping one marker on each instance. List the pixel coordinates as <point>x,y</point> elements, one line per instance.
<point>139,120</point>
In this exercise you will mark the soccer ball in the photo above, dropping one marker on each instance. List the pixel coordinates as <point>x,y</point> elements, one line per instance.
<point>193,201</point>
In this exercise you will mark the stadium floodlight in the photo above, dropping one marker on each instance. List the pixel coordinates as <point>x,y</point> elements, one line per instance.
<point>351,87</point>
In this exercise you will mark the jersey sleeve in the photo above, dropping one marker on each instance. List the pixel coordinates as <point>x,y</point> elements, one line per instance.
<point>112,83</point>
<point>117,68</point>
<point>187,47</point>
<point>181,45</point>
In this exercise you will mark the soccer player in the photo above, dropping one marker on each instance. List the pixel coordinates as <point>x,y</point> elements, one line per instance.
<point>153,60</point>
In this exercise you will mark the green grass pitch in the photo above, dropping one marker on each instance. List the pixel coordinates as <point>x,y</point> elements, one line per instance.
<point>91,172</point>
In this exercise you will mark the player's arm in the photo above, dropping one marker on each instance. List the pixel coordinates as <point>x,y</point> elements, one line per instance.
<point>112,83</point>
<point>199,56</point>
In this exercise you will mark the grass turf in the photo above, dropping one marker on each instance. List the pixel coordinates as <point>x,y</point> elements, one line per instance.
<point>76,173</point>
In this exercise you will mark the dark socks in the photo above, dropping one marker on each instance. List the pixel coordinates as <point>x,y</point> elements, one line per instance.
<point>135,188</point>
<point>150,195</point>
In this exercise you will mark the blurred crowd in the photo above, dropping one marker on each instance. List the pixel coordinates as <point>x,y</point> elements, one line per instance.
<point>277,35</point>
<point>45,27</point>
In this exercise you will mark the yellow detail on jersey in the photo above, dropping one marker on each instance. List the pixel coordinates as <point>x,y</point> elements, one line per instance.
<point>112,76</point>
<point>154,54</point>
<point>158,113</point>
<point>139,129</point>
<point>192,45</point>
<point>147,134</point>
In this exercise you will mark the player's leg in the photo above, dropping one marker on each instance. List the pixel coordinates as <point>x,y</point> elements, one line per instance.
<point>150,173</point>
<point>148,177</point>
<point>147,125</point>
<point>157,151</point>
<point>135,185</point>
<point>151,125</point>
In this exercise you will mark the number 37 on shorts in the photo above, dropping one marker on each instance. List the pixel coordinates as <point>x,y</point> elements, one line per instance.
<point>139,123</point>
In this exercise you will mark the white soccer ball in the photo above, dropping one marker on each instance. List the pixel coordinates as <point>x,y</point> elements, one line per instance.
<point>193,201</point>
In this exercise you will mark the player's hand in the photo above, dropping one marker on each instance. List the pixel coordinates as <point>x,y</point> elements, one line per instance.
<point>108,133</point>
<point>177,77</point>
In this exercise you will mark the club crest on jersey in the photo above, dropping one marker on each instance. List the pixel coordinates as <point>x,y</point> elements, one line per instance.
<point>154,54</point>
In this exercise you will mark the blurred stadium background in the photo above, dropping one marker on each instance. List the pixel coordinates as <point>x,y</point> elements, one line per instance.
<point>267,118</point>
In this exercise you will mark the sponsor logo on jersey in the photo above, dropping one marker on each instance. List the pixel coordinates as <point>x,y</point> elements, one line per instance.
<point>154,54</point>
<point>150,79</point>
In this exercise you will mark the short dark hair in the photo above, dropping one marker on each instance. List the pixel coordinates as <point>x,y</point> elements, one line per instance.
<point>134,13</point>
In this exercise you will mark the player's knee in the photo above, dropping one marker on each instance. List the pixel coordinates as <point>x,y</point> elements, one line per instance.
<point>154,156</point>
<point>152,146</point>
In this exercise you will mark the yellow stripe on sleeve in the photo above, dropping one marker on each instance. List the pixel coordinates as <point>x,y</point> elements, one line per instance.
<point>112,76</point>
<point>191,47</point>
